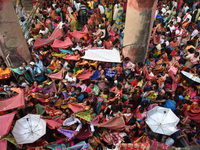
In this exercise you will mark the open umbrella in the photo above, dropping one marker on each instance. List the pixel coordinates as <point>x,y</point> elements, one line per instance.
<point>190,78</point>
<point>162,120</point>
<point>29,129</point>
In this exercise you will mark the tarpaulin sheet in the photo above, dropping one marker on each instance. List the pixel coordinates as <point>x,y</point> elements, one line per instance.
<point>42,42</point>
<point>79,34</point>
<point>13,102</point>
<point>5,124</point>
<point>62,44</point>
<point>104,55</point>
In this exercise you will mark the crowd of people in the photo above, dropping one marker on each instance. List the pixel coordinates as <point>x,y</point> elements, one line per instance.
<point>102,103</point>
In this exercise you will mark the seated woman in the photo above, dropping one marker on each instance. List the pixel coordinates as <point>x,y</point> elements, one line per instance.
<point>96,75</point>
<point>5,72</point>
<point>53,65</point>
<point>58,68</point>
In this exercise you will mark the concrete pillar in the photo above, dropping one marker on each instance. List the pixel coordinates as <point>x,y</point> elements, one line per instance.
<point>138,26</point>
<point>12,41</point>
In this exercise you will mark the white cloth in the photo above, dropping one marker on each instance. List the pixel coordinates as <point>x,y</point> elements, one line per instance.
<point>77,5</point>
<point>194,33</point>
<point>104,55</point>
<point>70,121</point>
<point>70,79</point>
<point>171,28</point>
<point>166,42</point>
<point>80,126</point>
<point>189,17</point>
<point>45,32</point>
<point>116,8</point>
<point>101,8</point>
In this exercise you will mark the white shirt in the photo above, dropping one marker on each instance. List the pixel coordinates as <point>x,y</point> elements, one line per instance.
<point>185,9</point>
<point>194,33</point>
<point>168,12</point>
<point>77,5</point>
<point>101,8</point>
<point>189,17</point>
<point>80,125</point>
<point>166,42</point>
<point>70,79</point>
<point>171,28</point>
<point>174,4</point>
<point>163,10</point>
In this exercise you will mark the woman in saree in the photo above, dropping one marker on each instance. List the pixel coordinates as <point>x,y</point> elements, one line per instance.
<point>119,15</point>
<point>95,76</point>
<point>53,65</point>
<point>73,20</point>
<point>108,11</point>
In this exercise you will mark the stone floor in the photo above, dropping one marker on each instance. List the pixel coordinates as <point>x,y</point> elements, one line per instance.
<point>27,4</point>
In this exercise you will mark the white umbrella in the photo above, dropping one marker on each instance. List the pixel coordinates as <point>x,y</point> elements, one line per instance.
<point>162,120</point>
<point>29,129</point>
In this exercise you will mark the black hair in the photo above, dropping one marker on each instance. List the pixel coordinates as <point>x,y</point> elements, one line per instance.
<point>119,86</point>
<point>193,124</point>
<point>132,121</point>
<point>126,59</point>
<point>71,71</point>
<point>78,89</point>
<point>112,95</point>
<point>126,139</point>
<point>106,91</point>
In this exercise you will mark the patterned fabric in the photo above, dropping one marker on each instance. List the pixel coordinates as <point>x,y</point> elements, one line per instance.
<point>67,133</point>
<point>11,139</point>
<point>80,146</point>
<point>52,111</point>
<point>42,42</point>
<point>134,146</point>
<point>84,115</point>
<point>56,146</point>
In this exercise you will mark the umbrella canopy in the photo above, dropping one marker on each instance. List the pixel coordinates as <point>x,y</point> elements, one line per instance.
<point>190,78</point>
<point>162,120</point>
<point>29,129</point>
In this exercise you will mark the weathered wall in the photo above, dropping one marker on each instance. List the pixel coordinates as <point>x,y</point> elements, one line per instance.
<point>12,40</point>
<point>138,26</point>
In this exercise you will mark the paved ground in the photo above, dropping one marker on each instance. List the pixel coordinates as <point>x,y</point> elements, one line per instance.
<point>27,4</point>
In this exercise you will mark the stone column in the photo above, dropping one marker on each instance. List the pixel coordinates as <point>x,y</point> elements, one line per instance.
<point>12,41</point>
<point>138,27</point>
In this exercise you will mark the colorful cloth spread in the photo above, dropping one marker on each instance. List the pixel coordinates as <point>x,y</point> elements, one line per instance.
<point>13,102</point>
<point>49,88</point>
<point>12,140</point>
<point>40,109</point>
<point>5,124</point>
<point>58,75</point>
<point>52,111</point>
<point>84,115</point>
<point>42,42</point>
<point>76,107</point>
<point>84,76</point>
<point>71,57</point>
<point>68,133</point>
<point>80,146</point>
<point>116,123</point>
<point>62,44</point>
<point>65,51</point>
<point>79,34</point>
